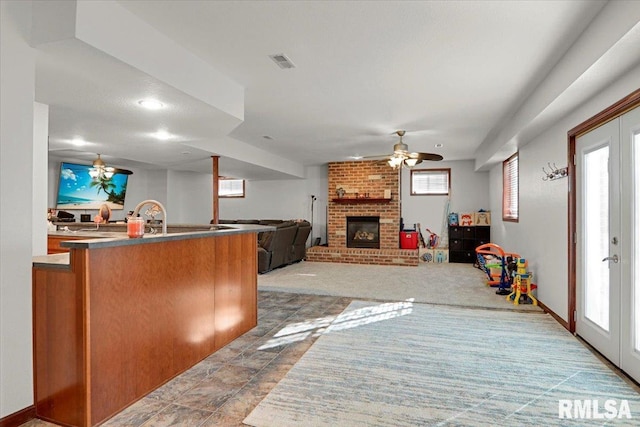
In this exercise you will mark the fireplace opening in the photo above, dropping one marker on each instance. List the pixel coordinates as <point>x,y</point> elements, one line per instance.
<point>363,232</point>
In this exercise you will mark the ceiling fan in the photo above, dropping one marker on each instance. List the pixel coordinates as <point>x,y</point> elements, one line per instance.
<point>401,156</point>
<point>101,171</point>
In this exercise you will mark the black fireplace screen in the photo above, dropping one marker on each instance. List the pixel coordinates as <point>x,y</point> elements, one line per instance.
<point>363,232</point>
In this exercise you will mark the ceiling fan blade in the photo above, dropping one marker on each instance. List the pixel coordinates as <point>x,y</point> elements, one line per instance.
<point>379,156</point>
<point>122,171</point>
<point>426,156</point>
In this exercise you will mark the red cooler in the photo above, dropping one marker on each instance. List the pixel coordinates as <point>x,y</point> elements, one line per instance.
<point>409,240</point>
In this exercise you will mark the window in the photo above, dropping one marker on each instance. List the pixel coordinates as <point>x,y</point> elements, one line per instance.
<point>430,182</point>
<point>229,187</point>
<point>510,189</point>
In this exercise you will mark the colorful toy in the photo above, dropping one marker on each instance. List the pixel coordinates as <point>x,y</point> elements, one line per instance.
<point>434,239</point>
<point>522,288</point>
<point>483,218</point>
<point>493,260</point>
<point>466,219</point>
<point>427,256</point>
<point>441,255</point>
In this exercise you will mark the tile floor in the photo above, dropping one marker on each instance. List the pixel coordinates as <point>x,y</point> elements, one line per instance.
<point>224,388</point>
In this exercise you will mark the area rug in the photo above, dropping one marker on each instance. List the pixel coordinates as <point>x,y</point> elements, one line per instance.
<point>424,365</point>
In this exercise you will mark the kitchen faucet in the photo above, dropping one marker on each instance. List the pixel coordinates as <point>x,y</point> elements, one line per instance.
<point>157,203</point>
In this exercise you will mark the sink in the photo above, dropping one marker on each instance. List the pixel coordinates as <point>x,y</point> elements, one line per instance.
<point>173,230</point>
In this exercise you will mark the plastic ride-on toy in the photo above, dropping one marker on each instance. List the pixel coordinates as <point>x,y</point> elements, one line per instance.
<point>493,260</point>
<point>522,288</point>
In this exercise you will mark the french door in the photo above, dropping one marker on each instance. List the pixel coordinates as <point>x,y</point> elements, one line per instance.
<point>608,240</point>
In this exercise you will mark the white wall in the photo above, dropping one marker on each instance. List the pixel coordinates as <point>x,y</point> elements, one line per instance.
<point>317,184</point>
<point>40,178</point>
<point>283,199</point>
<point>278,199</point>
<point>541,233</point>
<point>189,197</point>
<point>17,88</point>
<point>469,193</point>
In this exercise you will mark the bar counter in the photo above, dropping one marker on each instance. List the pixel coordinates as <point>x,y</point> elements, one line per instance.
<point>112,235</point>
<point>117,317</point>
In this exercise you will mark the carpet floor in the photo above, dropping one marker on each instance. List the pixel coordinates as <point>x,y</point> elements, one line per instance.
<point>445,284</point>
<point>408,364</point>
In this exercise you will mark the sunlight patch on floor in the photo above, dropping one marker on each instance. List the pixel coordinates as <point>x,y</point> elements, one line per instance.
<point>300,331</point>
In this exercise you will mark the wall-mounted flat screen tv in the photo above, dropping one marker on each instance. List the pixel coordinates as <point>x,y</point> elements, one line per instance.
<point>78,190</point>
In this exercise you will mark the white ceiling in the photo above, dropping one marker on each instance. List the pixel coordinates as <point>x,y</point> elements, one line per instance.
<point>448,72</point>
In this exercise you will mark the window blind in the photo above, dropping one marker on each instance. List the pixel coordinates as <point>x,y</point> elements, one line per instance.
<point>510,188</point>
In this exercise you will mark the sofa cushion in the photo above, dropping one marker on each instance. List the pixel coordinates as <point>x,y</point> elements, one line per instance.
<point>265,238</point>
<point>299,246</point>
<point>264,259</point>
<point>282,242</point>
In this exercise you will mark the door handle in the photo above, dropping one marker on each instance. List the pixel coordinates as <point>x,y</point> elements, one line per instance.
<point>613,258</point>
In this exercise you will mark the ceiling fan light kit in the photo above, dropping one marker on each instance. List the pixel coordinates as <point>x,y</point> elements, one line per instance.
<point>100,170</point>
<point>411,162</point>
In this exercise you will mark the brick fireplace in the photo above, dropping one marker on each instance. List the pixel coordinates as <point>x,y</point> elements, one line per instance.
<point>370,190</point>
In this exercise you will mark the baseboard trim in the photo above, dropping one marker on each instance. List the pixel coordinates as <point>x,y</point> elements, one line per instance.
<point>554,315</point>
<point>19,418</point>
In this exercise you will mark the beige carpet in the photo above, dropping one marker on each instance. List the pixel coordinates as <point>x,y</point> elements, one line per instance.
<point>447,284</point>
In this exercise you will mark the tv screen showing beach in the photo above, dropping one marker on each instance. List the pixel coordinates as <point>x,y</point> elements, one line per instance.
<point>78,190</point>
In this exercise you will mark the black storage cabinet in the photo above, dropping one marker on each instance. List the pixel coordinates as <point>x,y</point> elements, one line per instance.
<point>463,242</point>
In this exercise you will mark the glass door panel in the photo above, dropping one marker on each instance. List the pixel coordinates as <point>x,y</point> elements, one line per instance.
<point>596,234</point>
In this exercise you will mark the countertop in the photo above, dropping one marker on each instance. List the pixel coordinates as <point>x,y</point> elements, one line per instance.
<point>96,239</point>
<point>52,261</point>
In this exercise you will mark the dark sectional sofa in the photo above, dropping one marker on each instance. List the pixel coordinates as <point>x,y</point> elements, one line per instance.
<point>283,246</point>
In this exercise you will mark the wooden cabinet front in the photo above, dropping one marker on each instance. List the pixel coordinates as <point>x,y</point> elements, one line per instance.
<point>53,243</point>
<point>126,319</point>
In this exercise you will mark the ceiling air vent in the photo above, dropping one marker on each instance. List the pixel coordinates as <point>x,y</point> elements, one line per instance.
<point>282,61</point>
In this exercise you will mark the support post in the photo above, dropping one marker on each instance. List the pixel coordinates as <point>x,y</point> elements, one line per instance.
<point>216,210</point>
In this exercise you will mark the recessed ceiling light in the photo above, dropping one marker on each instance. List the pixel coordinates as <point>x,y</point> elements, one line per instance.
<point>151,104</point>
<point>78,142</point>
<point>162,135</point>
<point>438,145</point>
<point>356,157</point>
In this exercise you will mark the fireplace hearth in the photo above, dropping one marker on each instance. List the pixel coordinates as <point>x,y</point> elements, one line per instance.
<point>363,232</point>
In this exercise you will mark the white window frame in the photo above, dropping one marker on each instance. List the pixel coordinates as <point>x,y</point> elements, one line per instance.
<point>432,187</point>
<point>231,188</point>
